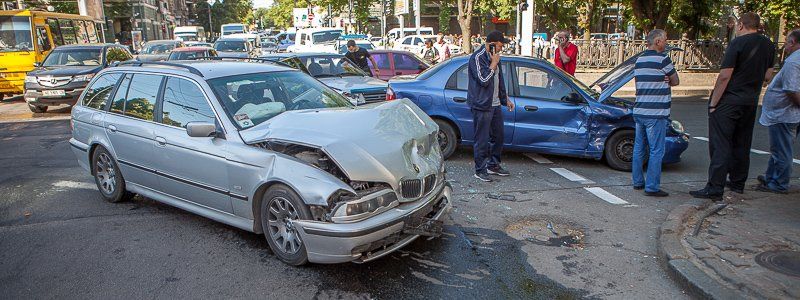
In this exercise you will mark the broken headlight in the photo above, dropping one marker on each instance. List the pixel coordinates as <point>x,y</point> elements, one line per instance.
<point>353,210</point>
<point>676,127</point>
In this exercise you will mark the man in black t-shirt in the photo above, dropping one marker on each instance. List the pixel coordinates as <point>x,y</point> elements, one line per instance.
<point>359,56</point>
<point>732,108</point>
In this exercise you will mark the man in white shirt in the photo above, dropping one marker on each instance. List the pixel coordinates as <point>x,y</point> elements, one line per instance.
<point>444,49</point>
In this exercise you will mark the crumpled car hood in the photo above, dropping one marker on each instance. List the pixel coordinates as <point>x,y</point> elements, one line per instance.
<point>355,84</point>
<point>388,142</point>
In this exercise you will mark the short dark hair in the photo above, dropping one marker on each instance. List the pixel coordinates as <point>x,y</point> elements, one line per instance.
<point>351,43</point>
<point>750,20</point>
<point>795,34</point>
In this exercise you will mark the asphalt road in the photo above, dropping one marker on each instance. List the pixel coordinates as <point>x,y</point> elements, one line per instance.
<point>59,239</point>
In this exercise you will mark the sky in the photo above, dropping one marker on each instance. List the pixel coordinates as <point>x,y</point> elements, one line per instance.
<point>262,3</point>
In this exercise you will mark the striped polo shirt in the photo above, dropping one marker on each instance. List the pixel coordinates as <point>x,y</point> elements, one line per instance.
<point>653,94</point>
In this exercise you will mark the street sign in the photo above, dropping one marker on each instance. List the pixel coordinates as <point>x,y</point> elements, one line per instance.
<point>401,7</point>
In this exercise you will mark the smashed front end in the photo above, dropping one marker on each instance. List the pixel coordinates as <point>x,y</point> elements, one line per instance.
<point>387,157</point>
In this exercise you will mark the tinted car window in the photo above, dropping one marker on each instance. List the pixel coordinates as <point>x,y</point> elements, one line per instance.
<point>118,106</point>
<point>98,94</point>
<point>460,81</point>
<point>184,102</point>
<point>540,84</point>
<point>382,59</point>
<point>141,99</point>
<point>73,57</point>
<point>158,48</point>
<point>231,46</point>
<point>405,62</point>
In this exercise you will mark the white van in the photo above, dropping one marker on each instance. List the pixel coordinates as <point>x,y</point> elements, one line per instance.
<point>189,33</point>
<point>232,28</point>
<point>394,33</point>
<point>316,40</point>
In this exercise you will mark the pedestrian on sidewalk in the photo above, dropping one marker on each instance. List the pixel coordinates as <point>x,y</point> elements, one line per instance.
<point>780,111</point>
<point>486,92</point>
<point>654,74</point>
<point>429,53</point>
<point>566,54</point>
<point>444,49</point>
<point>748,61</point>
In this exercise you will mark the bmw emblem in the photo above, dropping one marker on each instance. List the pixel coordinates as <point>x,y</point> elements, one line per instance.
<point>416,168</point>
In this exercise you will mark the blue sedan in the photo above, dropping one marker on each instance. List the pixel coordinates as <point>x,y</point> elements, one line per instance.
<point>555,113</point>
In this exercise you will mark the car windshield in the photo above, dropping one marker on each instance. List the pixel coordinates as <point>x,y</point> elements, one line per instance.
<point>325,36</point>
<point>158,48</point>
<point>15,34</point>
<point>182,55</point>
<point>251,99</point>
<point>73,57</point>
<point>230,46</point>
<point>433,70</point>
<point>331,66</point>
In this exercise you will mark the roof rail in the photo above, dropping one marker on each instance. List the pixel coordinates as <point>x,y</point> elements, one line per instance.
<point>276,61</point>
<point>138,63</point>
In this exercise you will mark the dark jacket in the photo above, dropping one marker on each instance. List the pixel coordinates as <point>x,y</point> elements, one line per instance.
<point>481,82</point>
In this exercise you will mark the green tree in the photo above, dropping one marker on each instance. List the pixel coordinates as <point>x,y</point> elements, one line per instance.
<point>649,14</point>
<point>778,16</point>
<point>444,18</point>
<point>696,18</point>
<point>66,7</point>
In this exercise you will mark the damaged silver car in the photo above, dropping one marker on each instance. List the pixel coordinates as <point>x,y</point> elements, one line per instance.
<point>266,149</point>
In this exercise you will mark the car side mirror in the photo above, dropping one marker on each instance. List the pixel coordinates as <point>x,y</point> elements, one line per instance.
<point>572,98</point>
<point>201,129</point>
<point>37,64</point>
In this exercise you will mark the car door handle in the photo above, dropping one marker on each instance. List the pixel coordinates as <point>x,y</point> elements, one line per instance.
<point>460,99</point>
<point>161,141</point>
<point>112,128</point>
<point>531,108</point>
<point>398,73</point>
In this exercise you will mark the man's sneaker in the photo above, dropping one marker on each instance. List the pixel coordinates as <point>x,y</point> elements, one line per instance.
<point>734,188</point>
<point>706,193</point>
<point>762,180</point>
<point>483,177</point>
<point>499,171</point>
<point>658,193</point>
<point>638,187</point>
<point>764,188</point>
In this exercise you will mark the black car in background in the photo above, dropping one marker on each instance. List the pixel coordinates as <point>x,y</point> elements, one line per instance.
<point>65,72</point>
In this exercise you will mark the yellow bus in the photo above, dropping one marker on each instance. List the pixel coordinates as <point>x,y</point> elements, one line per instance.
<point>26,36</point>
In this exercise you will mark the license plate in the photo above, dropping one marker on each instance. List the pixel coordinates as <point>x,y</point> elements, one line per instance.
<point>423,226</point>
<point>53,93</point>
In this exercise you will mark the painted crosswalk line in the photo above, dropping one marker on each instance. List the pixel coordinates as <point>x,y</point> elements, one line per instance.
<point>605,195</point>
<point>538,158</point>
<point>571,176</point>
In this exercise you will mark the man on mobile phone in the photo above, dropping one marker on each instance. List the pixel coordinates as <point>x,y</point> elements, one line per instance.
<point>566,54</point>
<point>486,92</point>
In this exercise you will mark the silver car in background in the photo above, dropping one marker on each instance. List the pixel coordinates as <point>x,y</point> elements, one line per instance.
<point>267,149</point>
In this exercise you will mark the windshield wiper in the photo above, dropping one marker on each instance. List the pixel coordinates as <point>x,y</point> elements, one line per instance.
<point>325,75</point>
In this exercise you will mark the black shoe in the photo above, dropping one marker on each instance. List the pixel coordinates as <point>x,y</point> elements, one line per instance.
<point>658,193</point>
<point>638,187</point>
<point>734,188</point>
<point>483,177</point>
<point>499,171</point>
<point>706,193</point>
<point>765,188</point>
<point>762,180</point>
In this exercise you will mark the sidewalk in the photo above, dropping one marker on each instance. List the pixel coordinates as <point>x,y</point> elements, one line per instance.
<point>745,247</point>
<point>693,84</point>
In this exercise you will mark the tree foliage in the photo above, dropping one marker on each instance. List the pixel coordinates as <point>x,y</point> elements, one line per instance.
<point>223,12</point>
<point>66,7</point>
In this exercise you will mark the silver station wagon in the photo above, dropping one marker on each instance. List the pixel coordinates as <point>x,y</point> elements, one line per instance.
<point>267,149</point>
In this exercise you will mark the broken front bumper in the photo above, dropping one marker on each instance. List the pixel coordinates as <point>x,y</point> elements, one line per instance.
<point>375,237</point>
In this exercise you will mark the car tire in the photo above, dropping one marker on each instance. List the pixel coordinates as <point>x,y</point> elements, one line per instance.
<point>448,140</point>
<point>108,177</point>
<point>37,108</point>
<point>619,150</point>
<point>279,206</point>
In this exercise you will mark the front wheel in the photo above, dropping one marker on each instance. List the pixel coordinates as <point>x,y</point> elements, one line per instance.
<point>619,150</point>
<point>280,208</point>
<point>37,108</point>
<point>448,140</point>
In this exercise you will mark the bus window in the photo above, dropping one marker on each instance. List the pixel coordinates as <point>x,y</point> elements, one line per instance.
<point>15,34</point>
<point>67,32</point>
<point>91,31</point>
<point>80,31</point>
<point>55,31</point>
<point>41,39</point>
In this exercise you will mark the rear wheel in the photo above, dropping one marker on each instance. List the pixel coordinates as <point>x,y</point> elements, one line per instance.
<point>280,208</point>
<point>108,177</point>
<point>619,150</point>
<point>37,108</point>
<point>448,140</point>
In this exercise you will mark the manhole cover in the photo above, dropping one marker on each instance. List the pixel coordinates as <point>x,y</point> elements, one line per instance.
<point>784,262</point>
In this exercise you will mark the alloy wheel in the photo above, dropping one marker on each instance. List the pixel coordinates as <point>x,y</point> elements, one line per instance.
<point>106,174</point>
<point>280,220</point>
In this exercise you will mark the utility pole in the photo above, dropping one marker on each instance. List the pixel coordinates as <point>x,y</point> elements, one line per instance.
<point>350,16</point>
<point>417,14</point>
<point>210,25</point>
<point>517,31</point>
<point>383,21</point>
<point>526,32</point>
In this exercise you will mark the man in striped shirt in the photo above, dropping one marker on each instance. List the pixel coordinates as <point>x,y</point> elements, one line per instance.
<point>654,74</point>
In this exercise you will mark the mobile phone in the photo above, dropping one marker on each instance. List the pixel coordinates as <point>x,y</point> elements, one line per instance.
<point>491,49</point>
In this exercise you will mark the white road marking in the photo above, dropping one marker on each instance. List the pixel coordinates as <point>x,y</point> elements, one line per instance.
<point>538,158</point>
<point>605,195</point>
<point>701,138</point>
<point>571,176</point>
<point>797,161</point>
<point>756,151</point>
<point>74,185</point>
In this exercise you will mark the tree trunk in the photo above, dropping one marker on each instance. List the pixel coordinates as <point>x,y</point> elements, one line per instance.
<point>465,9</point>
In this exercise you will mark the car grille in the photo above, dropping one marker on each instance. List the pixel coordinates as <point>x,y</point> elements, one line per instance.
<point>374,96</point>
<point>53,81</point>
<point>414,188</point>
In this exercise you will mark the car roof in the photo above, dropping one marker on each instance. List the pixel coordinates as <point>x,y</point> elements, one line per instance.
<point>280,55</point>
<point>208,69</point>
<point>310,54</point>
<point>87,46</point>
<point>192,48</point>
<point>510,57</point>
<point>233,39</point>
<point>390,51</point>
<point>163,42</point>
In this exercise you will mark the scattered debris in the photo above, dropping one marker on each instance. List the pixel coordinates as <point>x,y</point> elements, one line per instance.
<point>503,197</point>
<point>553,230</point>
<point>27,214</point>
<point>617,245</point>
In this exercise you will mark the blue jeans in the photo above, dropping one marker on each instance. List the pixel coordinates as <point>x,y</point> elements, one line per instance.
<point>779,168</point>
<point>650,132</point>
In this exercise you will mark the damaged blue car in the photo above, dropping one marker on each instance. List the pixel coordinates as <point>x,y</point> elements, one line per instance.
<point>555,113</point>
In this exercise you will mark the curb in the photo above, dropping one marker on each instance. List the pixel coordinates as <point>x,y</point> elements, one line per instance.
<point>677,258</point>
